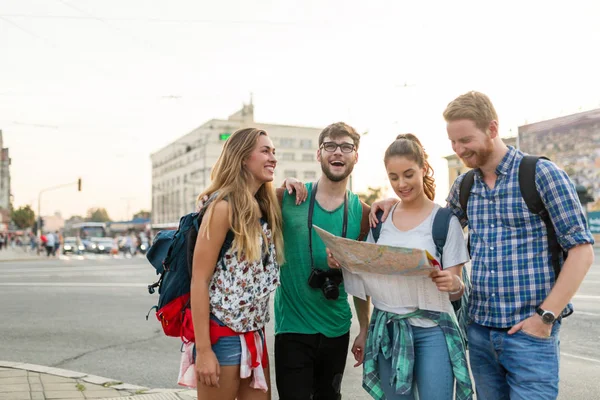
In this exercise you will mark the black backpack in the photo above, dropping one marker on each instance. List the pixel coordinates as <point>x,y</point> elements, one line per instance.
<point>439,232</point>
<point>532,199</point>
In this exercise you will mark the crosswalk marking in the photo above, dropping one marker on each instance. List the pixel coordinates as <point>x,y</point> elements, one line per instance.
<point>100,273</point>
<point>580,357</point>
<point>74,268</point>
<point>75,284</point>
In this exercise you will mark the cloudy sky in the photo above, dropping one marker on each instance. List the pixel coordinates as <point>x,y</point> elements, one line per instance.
<point>89,88</point>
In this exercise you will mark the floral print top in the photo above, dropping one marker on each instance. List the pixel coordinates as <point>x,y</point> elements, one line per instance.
<point>239,290</point>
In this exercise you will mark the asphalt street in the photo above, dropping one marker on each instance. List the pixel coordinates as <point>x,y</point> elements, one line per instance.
<point>90,316</point>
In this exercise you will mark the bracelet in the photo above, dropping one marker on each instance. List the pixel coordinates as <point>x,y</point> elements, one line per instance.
<point>462,286</point>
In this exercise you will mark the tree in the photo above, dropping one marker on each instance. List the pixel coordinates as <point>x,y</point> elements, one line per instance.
<point>142,214</point>
<point>23,217</point>
<point>97,215</point>
<point>371,195</point>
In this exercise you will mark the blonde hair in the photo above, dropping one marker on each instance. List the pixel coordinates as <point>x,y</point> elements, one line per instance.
<point>230,181</point>
<point>474,106</point>
<point>407,145</point>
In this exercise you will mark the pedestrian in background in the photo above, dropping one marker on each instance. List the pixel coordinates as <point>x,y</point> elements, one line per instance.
<point>50,241</point>
<point>57,243</point>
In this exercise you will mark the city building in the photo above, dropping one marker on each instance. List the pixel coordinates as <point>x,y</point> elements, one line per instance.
<point>181,170</point>
<point>53,223</point>
<point>456,166</point>
<point>572,142</point>
<point>5,193</point>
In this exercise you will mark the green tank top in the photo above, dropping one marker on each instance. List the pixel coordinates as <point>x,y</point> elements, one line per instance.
<point>298,307</point>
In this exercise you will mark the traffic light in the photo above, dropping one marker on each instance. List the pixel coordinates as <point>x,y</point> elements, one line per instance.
<point>79,185</point>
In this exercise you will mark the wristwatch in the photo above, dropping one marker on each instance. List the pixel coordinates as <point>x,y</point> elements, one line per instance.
<point>548,317</point>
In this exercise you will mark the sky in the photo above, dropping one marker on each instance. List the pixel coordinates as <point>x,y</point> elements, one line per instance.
<point>90,88</point>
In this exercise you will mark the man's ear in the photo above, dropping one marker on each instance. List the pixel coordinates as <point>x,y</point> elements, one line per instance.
<point>493,129</point>
<point>319,155</point>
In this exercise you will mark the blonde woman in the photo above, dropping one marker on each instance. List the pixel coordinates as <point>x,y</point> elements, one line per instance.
<point>235,268</point>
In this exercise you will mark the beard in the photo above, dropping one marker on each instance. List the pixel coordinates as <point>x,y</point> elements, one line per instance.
<point>325,168</point>
<point>480,157</point>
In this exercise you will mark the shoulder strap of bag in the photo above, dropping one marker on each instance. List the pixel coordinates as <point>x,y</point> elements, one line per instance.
<point>536,206</point>
<point>465,190</point>
<point>377,230</point>
<point>439,230</point>
<point>364,222</point>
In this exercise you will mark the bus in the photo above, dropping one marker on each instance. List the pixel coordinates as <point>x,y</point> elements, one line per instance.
<point>88,230</point>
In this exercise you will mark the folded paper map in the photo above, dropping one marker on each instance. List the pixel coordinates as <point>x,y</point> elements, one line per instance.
<point>378,259</point>
<point>394,277</point>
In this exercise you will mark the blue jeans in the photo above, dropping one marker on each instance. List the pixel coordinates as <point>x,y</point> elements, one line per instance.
<point>515,367</point>
<point>432,376</point>
<point>228,349</point>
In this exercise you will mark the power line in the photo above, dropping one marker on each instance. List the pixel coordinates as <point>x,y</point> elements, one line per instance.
<point>49,43</point>
<point>19,27</point>
<point>164,20</point>
<point>88,15</point>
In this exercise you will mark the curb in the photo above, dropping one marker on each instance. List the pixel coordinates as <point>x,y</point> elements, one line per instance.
<point>141,392</point>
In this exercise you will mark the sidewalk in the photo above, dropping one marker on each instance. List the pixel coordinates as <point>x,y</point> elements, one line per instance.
<point>20,381</point>
<point>9,254</point>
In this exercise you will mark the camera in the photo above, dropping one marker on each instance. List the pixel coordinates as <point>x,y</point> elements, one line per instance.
<point>326,280</point>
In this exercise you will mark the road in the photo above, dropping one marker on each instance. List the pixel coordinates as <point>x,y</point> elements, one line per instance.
<point>90,316</point>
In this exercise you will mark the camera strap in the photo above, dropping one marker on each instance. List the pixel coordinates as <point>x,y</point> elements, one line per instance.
<point>311,209</point>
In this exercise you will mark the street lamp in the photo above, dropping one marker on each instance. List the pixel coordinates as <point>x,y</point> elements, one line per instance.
<point>78,183</point>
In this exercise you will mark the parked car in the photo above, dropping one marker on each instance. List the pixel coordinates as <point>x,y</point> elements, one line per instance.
<point>89,246</point>
<point>72,245</point>
<point>104,245</point>
<point>144,246</point>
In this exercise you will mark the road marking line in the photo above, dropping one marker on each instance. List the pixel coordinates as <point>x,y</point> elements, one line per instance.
<point>74,284</point>
<point>74,268</point>
<point>586,296</point>
<point>580,357</point>
<point>586,313</point>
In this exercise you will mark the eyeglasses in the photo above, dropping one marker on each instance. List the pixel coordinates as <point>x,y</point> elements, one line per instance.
<point>332,147</point>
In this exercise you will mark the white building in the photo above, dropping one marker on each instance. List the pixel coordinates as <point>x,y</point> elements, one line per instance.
<point>181,170</point>
<point>4,186</point>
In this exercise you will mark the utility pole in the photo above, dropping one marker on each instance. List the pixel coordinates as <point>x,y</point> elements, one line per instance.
<point>128,216</point>
<point>39,215</point>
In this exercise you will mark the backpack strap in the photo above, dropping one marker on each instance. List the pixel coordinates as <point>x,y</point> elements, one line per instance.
<point>440,228</point>
<point>464,190</point>
<point>527,184</point>
<point>536,206</point>
<point>377,230</point>
<point>364,222</point>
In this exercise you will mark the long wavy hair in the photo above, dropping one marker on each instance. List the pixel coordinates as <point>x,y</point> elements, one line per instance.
<point>407,145</point>
<point>230,181</point>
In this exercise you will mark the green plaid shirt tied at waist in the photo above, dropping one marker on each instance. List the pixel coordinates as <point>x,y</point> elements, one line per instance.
<point>401,349</point>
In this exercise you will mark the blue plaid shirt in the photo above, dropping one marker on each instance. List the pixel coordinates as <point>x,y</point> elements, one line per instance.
<point>511,265</point>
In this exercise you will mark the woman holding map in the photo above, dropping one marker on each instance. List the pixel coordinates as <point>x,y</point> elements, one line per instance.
<point>410,348</point>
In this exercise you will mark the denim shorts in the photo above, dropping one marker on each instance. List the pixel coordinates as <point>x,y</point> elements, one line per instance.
<point>228,349</point>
